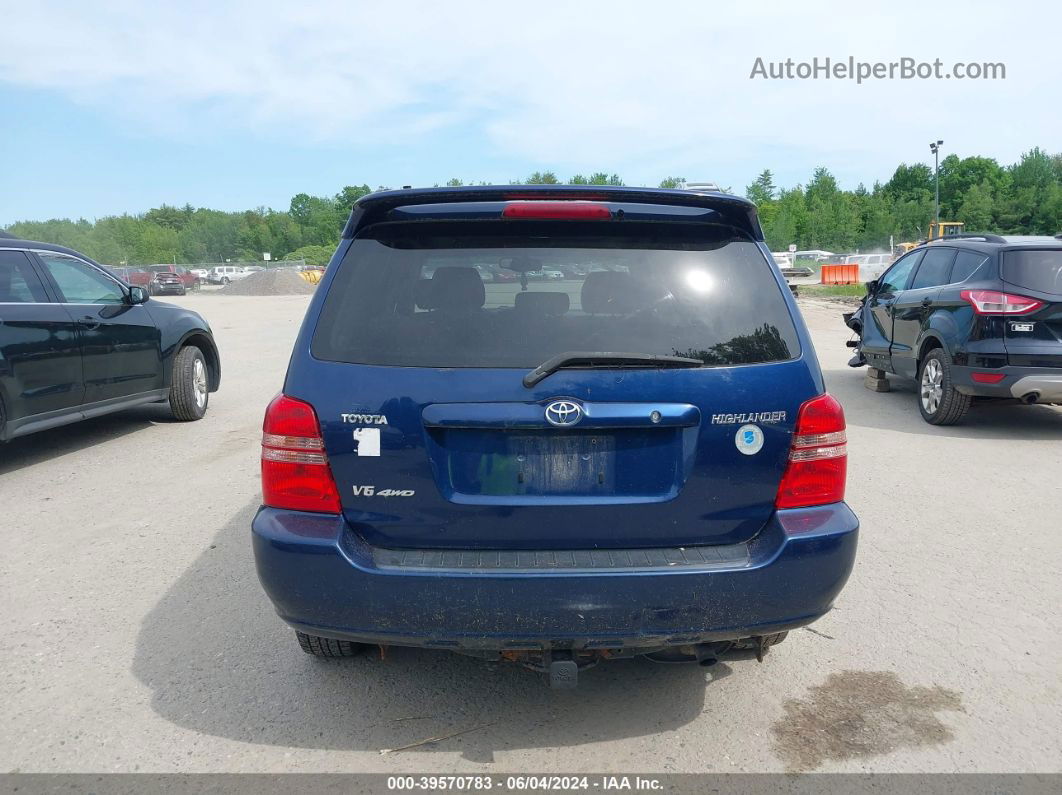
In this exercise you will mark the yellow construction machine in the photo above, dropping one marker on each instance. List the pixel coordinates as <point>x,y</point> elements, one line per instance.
<point>937,230</point>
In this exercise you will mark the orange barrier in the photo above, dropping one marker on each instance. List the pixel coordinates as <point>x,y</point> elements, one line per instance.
<point>840,274</point>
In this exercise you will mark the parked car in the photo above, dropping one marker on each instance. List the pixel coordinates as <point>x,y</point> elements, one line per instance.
<point>643,463</point>
<point>973,318</point>
<point>185,276</point>
<point>816,254</point>
<point>201,274</point>
<point>133,276</point>
<point>871,266</point>
<point>545,275</point>
<point>166,283</point>
<point>225,274</point>
<point>574,271</point>
<point>76,342</point>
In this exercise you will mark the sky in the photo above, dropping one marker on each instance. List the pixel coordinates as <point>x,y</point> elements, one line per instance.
<point>113,107</point>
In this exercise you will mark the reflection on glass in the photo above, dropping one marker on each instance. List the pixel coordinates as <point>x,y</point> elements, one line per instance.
<point>699,280</point>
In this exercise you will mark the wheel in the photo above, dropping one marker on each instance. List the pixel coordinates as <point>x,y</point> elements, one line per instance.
<point>190,387</point>
<point>327,647</point>
<point>225,281</point>
<point>938,400</point>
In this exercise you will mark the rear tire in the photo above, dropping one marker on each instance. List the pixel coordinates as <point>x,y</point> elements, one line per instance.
<point>190,387</point>
<point>327,647</point>
<point>938,399</point>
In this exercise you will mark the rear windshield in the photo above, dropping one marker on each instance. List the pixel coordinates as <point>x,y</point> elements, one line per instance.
<point>1034,270</point>
<point>430,295</point>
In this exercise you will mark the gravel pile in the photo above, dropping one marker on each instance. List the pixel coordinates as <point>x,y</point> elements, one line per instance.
<point>270,282</point>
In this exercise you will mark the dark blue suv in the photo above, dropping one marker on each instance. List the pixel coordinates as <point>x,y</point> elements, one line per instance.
<point>637,457</point>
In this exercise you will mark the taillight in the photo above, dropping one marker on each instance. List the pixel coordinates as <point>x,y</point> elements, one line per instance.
<point>818,456</point>
<point>993,302</point>
<point>563,210</point>
<point>295,471</point>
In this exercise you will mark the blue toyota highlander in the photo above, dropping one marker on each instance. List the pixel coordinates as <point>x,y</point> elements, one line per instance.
<point>636,458</point>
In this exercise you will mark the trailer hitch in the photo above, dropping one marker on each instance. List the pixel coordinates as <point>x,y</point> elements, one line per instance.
<point>563,669</point>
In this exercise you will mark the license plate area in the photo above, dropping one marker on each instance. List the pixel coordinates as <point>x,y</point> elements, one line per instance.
<point>552,464</point>
<point>523,466</point>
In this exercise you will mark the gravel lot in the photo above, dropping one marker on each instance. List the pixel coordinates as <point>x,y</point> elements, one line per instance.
<point>136,638</point>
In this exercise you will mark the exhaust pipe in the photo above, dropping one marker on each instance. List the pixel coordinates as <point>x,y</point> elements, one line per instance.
<point>1030,397</point>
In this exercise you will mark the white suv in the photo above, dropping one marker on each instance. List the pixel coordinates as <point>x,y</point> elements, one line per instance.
<point>224,274</point>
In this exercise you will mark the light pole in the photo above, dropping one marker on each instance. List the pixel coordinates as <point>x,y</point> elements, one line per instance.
<point>934,147</point>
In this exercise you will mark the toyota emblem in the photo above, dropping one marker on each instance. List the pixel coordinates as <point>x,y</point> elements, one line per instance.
<point>563,413</point>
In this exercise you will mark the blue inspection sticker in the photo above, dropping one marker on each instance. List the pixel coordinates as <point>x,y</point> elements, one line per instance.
<point>749,439</point>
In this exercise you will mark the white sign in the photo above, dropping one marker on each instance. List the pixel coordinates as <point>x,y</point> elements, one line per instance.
<point>792,247</point>
<point>267,256</point>
<point>368,441</point>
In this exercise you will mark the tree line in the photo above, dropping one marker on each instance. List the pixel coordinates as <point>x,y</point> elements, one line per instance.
<point>1020,198</point>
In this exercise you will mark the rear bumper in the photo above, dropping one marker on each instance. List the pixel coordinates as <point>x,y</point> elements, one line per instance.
<point>1018,382</point>
<point>325,580</point>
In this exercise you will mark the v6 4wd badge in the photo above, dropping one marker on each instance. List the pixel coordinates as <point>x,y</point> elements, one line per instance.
<point>370,491</point>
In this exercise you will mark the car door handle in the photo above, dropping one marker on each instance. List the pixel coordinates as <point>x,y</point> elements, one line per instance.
<point>89,322</point>
<point>927,302</point>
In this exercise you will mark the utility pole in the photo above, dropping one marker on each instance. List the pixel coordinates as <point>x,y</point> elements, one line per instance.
<point>934,147</point>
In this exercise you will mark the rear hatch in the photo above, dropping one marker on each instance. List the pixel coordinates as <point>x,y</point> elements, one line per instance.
<point>430,329</point>
<point>1035,339</point>
<point>165,276</point>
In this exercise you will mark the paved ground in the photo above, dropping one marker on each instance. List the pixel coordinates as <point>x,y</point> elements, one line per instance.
<point>135,637</point>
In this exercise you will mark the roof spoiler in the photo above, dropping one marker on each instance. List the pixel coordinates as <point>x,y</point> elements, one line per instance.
<point>370,208</point>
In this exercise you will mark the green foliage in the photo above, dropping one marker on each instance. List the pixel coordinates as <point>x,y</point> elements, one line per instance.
<point>762,190</point>
<point>313,255</point>
<point>597,178</point>
<point>673,182</point>
<point>1023,198</point>
<point>833,290</point>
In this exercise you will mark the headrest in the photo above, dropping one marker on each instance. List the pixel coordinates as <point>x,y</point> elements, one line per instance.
<point>455,290</point>
<point>543,304</point>
<point>610,293</point>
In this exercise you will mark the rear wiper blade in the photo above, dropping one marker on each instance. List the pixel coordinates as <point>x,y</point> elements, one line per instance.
<point>605,359</point>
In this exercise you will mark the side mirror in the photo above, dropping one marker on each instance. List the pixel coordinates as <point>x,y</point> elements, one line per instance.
<point>872,286</point>
<point>138,295</point>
